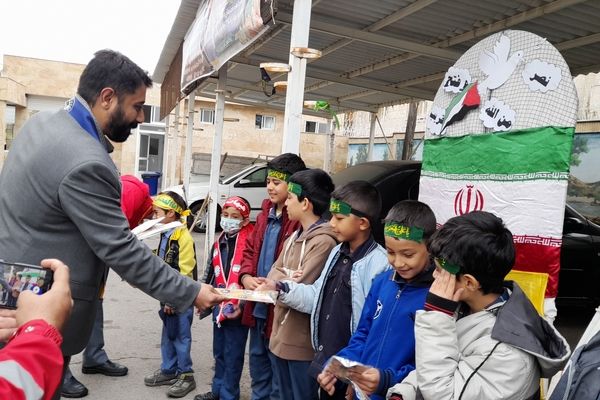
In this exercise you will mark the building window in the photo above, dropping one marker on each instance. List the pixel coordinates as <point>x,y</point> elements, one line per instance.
<point>9,132</point>
<point>316,127</point>
<point>265,122</point>
<point>207,116</point>
<point>151,114</point>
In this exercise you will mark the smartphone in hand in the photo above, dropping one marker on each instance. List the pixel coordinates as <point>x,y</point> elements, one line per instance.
<point>17,277</point>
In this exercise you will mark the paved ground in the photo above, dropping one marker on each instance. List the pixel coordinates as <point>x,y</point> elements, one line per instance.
<point>132,333</point>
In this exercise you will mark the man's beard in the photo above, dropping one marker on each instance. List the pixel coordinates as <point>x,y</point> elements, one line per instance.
<point>118,129</point>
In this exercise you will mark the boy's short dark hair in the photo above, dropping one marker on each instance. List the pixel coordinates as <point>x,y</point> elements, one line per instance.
<point>111,69</point>
<point>480,244</point>
<point>361,196</point>
<point>177,199</point>
<point>415,214</point>
<point>316,187</point>
<point>289,163</point>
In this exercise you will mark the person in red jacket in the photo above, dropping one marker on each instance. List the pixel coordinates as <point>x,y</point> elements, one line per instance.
<point>272,228</point>
<point>31,363</point>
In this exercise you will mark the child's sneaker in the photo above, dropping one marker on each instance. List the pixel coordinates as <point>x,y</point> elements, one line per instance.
<point>158,379</point>
<point>185,383</point>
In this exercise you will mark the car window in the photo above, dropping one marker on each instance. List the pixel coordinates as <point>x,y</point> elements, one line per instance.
<point>233,177</point>
<point>583,192</point>
<point>255,179</point>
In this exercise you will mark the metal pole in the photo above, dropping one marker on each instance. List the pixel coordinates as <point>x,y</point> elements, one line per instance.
<point>187,166</point>
<point>215,160</point>
<point>371,137</point>
<point>295,93</point>
<point>411,123</point>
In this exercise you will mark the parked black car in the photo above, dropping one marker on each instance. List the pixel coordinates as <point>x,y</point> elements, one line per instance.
<point>579,279</point>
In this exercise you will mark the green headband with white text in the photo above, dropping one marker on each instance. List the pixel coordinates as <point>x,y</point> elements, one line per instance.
<point>282,176</point>
<point>399,231</point>
<point>295,188</point>
<point>448,266</point>
<point>340,207</point>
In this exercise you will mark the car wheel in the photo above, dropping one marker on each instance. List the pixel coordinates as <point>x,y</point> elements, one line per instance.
<point>201,222</point>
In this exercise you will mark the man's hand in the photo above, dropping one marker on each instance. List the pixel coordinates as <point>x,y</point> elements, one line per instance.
<point>54,306</point>
<point>207,297</point>
<point>327,381</point>
<point>444,285</point>
<point>8,324</point>
<point>366,379</point>
<point>267,284</point>
<point>251,282</point>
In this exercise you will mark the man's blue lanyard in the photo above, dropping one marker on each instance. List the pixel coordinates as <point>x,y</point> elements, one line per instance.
<point>83,116</point>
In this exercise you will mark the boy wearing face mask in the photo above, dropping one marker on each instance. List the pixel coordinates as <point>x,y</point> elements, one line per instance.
<point>229,335</point>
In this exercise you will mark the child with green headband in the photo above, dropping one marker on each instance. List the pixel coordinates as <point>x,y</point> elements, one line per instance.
<point>384,341</point>
<point>302,261</point>
<point>479,336</point>
<point>177,248</point>
<point>271,230</point>
<point>335,301</point>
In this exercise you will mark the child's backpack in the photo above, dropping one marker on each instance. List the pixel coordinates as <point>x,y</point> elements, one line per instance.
<point>581,379</point>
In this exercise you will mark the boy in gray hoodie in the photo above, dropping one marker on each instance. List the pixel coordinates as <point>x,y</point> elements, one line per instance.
<point>479,337</point>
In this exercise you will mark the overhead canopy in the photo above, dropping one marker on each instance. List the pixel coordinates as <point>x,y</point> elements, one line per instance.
<point>378,53</point>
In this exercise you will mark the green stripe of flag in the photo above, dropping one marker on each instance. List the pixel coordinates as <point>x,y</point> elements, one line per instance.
<point>545,149</point>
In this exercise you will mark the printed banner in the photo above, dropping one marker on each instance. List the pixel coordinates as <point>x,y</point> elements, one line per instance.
<point>221,30</point>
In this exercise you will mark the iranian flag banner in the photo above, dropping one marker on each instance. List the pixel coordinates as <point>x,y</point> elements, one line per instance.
<point>499,139</point>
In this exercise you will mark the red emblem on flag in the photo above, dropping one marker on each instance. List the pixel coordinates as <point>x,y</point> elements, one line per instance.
<point>468,200</point>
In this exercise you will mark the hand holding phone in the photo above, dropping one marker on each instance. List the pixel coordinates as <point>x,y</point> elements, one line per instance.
<point>53,306</point>
<point>16,278</point>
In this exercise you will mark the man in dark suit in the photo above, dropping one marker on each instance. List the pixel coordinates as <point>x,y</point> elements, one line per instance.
<point>61,194</point>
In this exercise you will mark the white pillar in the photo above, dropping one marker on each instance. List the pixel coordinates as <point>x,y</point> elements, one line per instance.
<point>294,98</point>
<point>187,165</point>
<point>167,158</point>
<point>215,159</point>
<point>372,137</point>
<point>175,147</point>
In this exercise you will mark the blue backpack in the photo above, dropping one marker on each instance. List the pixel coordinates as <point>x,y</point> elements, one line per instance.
<point>581,379</point>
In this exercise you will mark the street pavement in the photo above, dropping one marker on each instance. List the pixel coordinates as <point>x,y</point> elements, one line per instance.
<point>132,331</point>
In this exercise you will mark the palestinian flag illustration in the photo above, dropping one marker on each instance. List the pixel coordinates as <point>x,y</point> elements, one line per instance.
<point>509,150</point>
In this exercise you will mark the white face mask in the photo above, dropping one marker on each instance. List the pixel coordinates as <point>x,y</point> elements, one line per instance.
<point>231,225</point>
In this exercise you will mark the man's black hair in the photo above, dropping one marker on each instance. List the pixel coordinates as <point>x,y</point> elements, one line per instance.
<point>361,196</point>
<point>177,199</point>
<point>111,69</point>
<point>415,214</point>
<point>316,187</point>
<point>480,244</point>
<point>289,163</point>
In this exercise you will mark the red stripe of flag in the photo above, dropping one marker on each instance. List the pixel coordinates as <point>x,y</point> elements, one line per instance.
<point>533,257</point>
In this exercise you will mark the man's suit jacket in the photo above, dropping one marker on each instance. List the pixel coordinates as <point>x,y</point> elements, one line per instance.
<point>60,198</point>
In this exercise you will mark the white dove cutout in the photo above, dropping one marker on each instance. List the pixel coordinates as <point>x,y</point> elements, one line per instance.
<point>497,65</point>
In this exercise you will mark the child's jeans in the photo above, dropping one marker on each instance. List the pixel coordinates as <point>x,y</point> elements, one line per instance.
<point>176,342</point>
<point>293,380</point>
<point>264,384</point>
<point>229,346</point>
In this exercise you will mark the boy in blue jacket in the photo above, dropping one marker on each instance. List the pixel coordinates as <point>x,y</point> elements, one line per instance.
<point>384,340</point>
<point>335,301</point>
